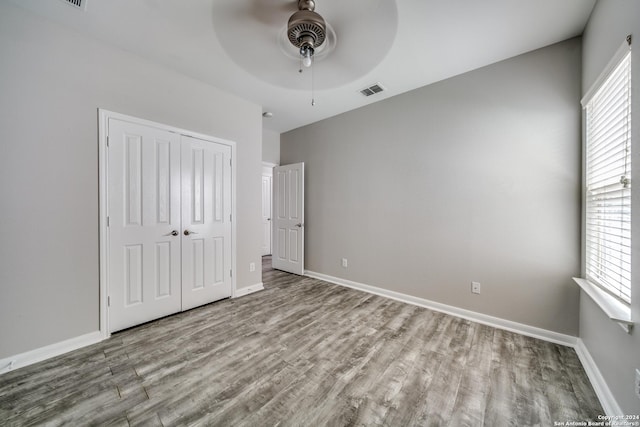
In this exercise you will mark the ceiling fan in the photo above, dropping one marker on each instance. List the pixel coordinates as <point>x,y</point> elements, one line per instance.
<point>268,38</point>
<point>306,30</point>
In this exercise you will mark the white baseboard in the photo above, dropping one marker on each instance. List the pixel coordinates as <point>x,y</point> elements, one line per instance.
<point>33,356</point>
<point>605,396</point>
<point>598,383</point>
<point>248,290</point>
<point>53,350</point>
<point>520,328</point>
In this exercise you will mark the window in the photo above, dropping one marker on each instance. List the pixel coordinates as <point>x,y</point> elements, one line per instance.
<point>607,110</point>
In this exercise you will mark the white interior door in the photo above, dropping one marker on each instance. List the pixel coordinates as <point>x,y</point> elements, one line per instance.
<point>168,223</point>
<point>288,218</point>
<point>266,212</point>
<point>144,223</point>
<point>206,222</point>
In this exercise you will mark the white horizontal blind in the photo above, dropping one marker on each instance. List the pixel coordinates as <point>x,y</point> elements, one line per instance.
<point>608,181</point>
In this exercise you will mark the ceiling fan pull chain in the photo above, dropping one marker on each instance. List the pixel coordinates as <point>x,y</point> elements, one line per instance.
<point>313,101</point>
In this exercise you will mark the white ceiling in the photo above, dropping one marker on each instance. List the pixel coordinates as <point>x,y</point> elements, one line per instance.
<point>236,45</point>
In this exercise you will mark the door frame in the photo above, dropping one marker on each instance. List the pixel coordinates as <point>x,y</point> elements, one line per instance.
<point>103,199</point>
<point>267,169</point>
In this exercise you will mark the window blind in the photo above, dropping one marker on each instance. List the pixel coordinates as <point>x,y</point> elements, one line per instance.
<point>608,182</point>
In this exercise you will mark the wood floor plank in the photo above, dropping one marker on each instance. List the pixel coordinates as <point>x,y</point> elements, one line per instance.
<point>304,353</point>
<point>471,398</point>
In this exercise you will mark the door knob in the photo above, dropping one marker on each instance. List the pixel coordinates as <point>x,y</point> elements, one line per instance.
<point>268,219</point>
<point>174,233</point>
<point>299,225</point>
<point>187,232</point>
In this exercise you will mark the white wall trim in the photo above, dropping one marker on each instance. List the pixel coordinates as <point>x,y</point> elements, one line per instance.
<point>615,309</point>
<point>267,170</point>
<point>39,354</point>
<point>248,290</point>
<point>598,383</point>
<point>496,322</point>
<point>103,166</point>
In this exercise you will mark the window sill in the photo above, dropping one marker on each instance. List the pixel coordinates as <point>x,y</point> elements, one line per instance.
<point>616,310</point>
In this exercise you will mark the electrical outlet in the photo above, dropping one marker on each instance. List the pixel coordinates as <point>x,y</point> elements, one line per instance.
<point>252,266</point>
<point>637,387</point>
<point>475,287</point>
<point>345,263</point>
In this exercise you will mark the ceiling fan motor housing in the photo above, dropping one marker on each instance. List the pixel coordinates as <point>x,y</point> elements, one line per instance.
<point>306,29</point>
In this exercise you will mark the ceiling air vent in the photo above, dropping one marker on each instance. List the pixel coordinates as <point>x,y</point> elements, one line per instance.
<point>78,4</point>
<point>372,90</point>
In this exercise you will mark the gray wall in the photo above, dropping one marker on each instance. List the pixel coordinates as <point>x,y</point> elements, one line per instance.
<point>270,146</point>
<point>473,178</point>
<point>616,353</point>
<point>52,81</point>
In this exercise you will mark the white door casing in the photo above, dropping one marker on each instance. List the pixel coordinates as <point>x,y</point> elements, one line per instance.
<point>288,218</point>
<point>206,218</point>
<point>156,182</point>
<point>266,210</point>
<point>144,210</point>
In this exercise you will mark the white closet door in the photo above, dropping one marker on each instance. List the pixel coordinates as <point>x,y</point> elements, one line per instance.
<point>288,220</point>
<point>144,224</point>
<point>206,222</point>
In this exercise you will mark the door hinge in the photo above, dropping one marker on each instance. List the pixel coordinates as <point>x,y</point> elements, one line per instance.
<point>108,301</point>
<point>230,162</point>
<point>230,273</point>
<point>108,221</point>
<point>107,141</point>
<point>229,217</point>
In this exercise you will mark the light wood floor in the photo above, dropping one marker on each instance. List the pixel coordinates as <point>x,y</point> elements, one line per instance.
<point>305,353</point>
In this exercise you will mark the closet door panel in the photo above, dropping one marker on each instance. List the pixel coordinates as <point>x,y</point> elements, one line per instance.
<point>206,222</point>
<point>144,210</point>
